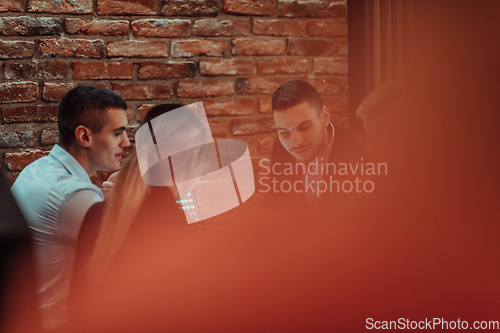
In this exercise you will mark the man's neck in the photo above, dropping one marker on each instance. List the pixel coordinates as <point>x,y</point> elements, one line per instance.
<point>81,156</point>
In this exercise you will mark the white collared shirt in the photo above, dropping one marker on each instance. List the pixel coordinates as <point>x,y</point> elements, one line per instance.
<point>54,194</point>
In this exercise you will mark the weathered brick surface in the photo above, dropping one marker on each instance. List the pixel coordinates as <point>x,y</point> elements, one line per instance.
<point>142,90</point>
<point>265,143</point>
<point>308,47</point>
<point>219,127</point>
<point>303,8</point>
<point>265,105</point>
<point>158,70</point>
<point>192,48</point>
<point>190,8</point>
<point>161,28</point>
<point>49,137</point>
<point>100,70</point>
<point>218,66</point>
<point>96,27</point>
<point>43,70</point>
<point>30,26</point>
<point>73,47</point>
<point>334,65</point>
<point>338,9</point>
<point>283,66</point>
<point>280,27</point>
<point>214,27</point>
<point>233,107</point>
<point>11,138</point>
<point>127,7</point>
<point>18,161</point>
<point>139,49</point>
<point>11,6</point>
<point>18,92</point>
<point>343,49</point>
<point>258,85</point>
<point>56,91</point>
<point>16,49</point>
<point>249,7</point>
<point>205,88</point>
<point>336,104</point>
<point>60,6</point>
<point>327,27</point>
<point>245,126</point>
<point>250,46</point>
<point>30,113</point>
<point>327,86</point>
<point>144,109</point>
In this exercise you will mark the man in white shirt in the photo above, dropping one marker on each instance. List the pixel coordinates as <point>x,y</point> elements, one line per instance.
<point>55,192</point>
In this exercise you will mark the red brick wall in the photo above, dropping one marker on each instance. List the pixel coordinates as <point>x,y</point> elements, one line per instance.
<point>231,54</point>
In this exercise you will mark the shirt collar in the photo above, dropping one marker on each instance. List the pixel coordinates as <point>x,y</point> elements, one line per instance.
<point>69,162</point>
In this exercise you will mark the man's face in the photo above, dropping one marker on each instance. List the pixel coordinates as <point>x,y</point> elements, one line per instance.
<point>107,146</point>
<point>302,131</point>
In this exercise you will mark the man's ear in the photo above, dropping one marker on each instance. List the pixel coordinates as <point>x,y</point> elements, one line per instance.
<point>83,136</point>
<point>325,115</point>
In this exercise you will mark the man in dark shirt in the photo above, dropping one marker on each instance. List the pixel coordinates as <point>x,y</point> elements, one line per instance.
<point>303,164</point>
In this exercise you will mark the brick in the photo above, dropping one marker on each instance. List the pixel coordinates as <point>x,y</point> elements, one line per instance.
<point>266,143</point>
<point>144,109</point>
<point>11,6</point>
<point>50,137</point>
<point>100,70</point>
<point>343,49</point>
<point>249,7</point>
<point>250,46</point>
<point>18,92</point>
<point>303,8</point>
<point>283,66</point>
<point>234,107</point>
<point>190,8</point>
<point>326,27</point>
<point>327,86</point>
<point>30,114</point>
<point>335,65</point>
<point>248,126</point>
<point>96,27</point>
<point>226,66</point>
<point>337,9</point>
<point>205,88</point>
<point>307,47</point>
<point>12,138</point>
<point>138,49</point>
<point>72,47</point>
<point>55,91</point>
<point>219,127</point>
<point>192,48</point>
<point>18,161</point>
<point>161,28</point>
<point>46,70</point>
<point>158,70</point>
<point>60,6</point>
<point>258,85</point>
<point>278,27</point>
<point>30,26</point>
<point>142,90</point>
<point>16,49</point>
<point>213,27</point>
<point>127,7</point>
<point>336,104</point>
<point>265,105</point>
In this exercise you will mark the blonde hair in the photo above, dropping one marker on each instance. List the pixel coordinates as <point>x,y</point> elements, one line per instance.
<point>126,197</point>
<point>378,99</point>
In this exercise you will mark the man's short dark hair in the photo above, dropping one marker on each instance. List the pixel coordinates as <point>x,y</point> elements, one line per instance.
<point>85,105</point>
<point>294,92</point>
